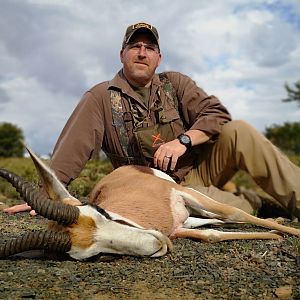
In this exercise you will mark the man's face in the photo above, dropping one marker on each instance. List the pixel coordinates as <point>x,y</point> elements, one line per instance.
<point>140,59</point>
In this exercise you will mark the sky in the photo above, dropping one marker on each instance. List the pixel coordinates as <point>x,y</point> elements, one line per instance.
<point>52,51</point>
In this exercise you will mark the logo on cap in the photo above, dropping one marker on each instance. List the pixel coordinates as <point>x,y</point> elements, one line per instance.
<point>142,25</point>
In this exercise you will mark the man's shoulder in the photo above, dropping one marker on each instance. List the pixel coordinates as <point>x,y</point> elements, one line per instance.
<point>99,87</point>
<point>98,93</point>
<point>170,74</point>
<point>176,78</point>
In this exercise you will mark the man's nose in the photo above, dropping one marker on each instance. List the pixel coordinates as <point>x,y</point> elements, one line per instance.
<point>142,51</point>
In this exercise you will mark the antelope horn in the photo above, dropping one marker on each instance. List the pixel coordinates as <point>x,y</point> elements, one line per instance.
<point>48,240</point>
<point>51,184</point>
<point>52,210</point>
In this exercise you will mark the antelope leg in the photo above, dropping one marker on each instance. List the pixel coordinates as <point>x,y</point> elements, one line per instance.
<point>212,235</point>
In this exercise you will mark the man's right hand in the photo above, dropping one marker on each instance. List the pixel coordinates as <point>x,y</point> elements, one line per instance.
<point>19,208</point>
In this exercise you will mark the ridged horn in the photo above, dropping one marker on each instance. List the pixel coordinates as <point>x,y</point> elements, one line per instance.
<point>51,184</point>
<point>58,242</point>
<point>52,210</point>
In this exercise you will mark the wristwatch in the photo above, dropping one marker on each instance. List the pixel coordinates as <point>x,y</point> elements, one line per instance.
<point>185,140</point>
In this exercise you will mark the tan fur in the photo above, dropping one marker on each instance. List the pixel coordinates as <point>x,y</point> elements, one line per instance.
<point>73,202</point>
<point>82,233</point>
<point>145,199</point>
<point>54,226</point>
<point>227,212</point>
<point>131,195</point>
<point>229,187</point>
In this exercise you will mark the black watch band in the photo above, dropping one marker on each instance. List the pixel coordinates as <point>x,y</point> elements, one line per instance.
<point>185,140</point>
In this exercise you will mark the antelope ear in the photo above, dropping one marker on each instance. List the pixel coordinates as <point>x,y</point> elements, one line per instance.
<point>54,188</point>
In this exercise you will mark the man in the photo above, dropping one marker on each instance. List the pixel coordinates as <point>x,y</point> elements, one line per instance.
<point>166,121</point>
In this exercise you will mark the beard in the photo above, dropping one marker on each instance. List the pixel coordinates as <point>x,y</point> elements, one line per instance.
<point>138,74</point>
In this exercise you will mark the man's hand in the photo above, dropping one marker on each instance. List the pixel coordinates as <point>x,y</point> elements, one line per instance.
<point>19,208</point>
<point>166,156</point>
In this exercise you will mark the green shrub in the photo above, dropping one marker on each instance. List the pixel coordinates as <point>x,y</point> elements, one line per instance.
<point>20,166</point>
<point>24,167</point>
<point>91,174</point>
<point>295,159</point>
<point>286,136</point>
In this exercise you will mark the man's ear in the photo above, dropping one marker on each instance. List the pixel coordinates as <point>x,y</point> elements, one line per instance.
<point>159,60</point>
<point>121,55</point>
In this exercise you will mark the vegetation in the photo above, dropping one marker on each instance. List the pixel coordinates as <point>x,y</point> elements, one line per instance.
<point>10,140</point>
<point>92,173</point>
<point>286,137</point>
<point>293,93</point>
<point>24,167</point>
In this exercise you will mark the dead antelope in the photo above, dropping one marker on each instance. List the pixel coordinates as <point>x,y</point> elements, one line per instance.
<point>134,210</point>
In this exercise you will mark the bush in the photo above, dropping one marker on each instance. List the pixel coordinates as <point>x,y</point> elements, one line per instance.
<point>91,174</point>
<point>286,137</point>
<point>24,167</point>
<point>10,140</point>
<point>20,166</point>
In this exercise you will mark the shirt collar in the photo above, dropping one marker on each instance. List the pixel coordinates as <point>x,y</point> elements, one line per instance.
<point>120,82</point>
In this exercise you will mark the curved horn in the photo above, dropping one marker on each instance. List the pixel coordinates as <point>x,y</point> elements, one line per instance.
<point>49,240</point>
<point>51,184</point>
<point>52,210</point>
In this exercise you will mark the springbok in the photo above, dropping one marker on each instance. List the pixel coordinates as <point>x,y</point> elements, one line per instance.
<point>134,210</point>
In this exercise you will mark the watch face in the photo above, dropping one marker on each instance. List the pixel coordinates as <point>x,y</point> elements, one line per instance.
<point>185,139</point>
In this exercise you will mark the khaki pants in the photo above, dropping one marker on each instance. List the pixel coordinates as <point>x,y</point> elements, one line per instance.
<point>241,147</point>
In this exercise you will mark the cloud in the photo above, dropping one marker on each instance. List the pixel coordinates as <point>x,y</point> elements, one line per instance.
<point>52,51</point>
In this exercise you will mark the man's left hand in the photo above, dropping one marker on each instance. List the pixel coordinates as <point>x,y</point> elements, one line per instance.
<point>166,156</point>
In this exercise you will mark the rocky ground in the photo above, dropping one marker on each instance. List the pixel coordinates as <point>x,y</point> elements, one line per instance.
<point>227,270</point>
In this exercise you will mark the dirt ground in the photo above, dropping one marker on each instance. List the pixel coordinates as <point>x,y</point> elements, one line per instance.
<point>227,270</point>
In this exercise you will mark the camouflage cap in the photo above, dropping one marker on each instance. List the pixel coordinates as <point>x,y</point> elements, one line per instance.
<point>132,29</point>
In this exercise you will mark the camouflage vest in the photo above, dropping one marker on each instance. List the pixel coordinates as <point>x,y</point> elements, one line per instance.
<point>118,121</point>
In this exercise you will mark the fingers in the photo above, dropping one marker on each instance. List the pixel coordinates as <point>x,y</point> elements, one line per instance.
<point>167,155</point>
<point>167,162</point>
<point>162,161</point>
<point>33,213</point>
<point>18,208</point>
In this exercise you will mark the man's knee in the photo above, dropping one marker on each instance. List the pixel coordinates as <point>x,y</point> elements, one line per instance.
<point>236,126</point>
<point>238,130</point>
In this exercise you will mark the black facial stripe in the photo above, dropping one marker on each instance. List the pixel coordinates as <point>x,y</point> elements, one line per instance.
<point>101,211</point>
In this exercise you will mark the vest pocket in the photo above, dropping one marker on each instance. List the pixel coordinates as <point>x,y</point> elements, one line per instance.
<point>150,138</point>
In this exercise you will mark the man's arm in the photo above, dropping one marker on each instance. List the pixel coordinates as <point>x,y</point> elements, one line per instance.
<point>204,116</point>
<point>198,110</point>
<point>81,136</point>
<point>168,153</point>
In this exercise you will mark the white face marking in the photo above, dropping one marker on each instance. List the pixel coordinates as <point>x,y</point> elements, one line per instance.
<point>112,237</point>
<point>162,175</point>
<point>90,211</point>
<point>117,217</point>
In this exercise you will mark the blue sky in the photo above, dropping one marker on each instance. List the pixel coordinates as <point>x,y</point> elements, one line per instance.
<point>52,51</point>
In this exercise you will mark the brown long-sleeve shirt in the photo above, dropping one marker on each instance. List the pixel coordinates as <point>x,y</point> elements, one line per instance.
<point>90,126</point>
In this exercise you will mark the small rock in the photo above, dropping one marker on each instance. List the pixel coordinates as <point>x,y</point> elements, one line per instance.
<point>284,292</point>
<point>28,295</point>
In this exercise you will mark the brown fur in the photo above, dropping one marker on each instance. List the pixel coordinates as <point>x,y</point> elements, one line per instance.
<point>82,232</point>
<point>143,202</point>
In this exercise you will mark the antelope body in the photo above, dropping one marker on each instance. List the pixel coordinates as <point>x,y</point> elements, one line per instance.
<point>134,210</point>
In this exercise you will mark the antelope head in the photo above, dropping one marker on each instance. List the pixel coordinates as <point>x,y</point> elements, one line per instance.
<point>87,230</point>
